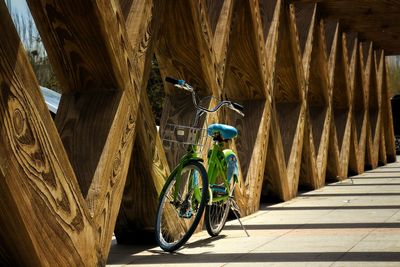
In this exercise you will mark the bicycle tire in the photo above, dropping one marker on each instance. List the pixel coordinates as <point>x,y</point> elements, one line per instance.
<point>215,217</point>
<point>176,221</point>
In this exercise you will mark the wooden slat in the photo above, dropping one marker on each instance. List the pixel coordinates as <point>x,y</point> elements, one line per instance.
<point>244,77</point>
<point>108,117</point>
<point>342,110</point>
<point>374,111</point>
<point>318,115</point>
<point>50,219</point>
<point>221,33</point>
<point>288,106</point>
<point>359,123</point>
<point>148,168</point>
<point>387,119</point>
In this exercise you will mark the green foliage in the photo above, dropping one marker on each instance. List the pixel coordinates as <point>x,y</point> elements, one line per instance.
<point>34,47</point>
<point>155,90</point>
<point>38,58</point>
<point>393,66</point>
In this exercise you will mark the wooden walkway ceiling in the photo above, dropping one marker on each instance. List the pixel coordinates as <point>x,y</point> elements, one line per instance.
<point>373,20</point>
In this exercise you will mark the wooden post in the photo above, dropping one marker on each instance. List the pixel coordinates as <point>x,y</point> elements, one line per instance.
<point>46,219</point>
<point>98,110</point>
<point>342,110</point>
<point>318,115</point>
<point>374,111</point>
<point>359,123</point>
<point>148,168</point>
<point>387,120</point>
<point>288,104</point>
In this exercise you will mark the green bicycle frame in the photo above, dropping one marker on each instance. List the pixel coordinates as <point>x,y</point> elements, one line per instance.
<point>190,155</point>
<point>217,168</point>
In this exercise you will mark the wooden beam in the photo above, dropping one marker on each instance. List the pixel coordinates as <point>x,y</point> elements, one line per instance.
<point>318,114</point>
<point>359,106</point>
<point>107,86</point>
<point>374,111</point>
<point>287,81</point>
<point>50,223</point>
<point>387,119</point>
<point>341,107</point>
<point>148,168</point>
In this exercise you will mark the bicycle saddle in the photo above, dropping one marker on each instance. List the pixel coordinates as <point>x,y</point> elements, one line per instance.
<point>226,131</point>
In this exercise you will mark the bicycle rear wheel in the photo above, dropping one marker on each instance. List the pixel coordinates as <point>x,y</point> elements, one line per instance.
<point>181,205</point>
<point>215,217</point>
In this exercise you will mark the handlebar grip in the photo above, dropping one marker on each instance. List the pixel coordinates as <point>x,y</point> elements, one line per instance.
<point>171,80</point>
<point>175,81</point>
<point>237,106</point>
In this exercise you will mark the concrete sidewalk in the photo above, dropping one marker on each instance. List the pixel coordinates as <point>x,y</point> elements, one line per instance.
<point>355,222</point>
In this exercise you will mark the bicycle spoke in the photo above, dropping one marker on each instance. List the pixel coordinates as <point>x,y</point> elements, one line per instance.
<point>179,212</point>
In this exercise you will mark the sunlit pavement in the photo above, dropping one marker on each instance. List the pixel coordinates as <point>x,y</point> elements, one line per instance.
<point>355,222</point>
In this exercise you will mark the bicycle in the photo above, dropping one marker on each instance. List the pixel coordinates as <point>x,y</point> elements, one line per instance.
<point>190,189</point>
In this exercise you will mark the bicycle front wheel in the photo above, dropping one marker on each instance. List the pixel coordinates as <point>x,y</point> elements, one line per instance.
<point>181,205</point>
<point>215,217</point>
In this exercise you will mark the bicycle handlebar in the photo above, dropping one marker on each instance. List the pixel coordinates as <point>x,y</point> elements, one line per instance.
<point>183,85</point>
<point>180,84</point>
<point>174,81</point>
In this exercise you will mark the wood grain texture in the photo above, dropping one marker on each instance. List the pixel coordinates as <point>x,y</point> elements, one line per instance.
<point>248,85</point>
<point>251,146</point>
<point>179,54</point>
<point>275,184</point>
<point>288,104</point>
<point>309,116</point>
<point>244,74</point>
<point>103,95</point>
<point>342,110</point>
<point>317,123</point>
<point>374,111</point>
<point>359,123</point>
<point>148,168</point>
<point>51,214</point>
<point>83,31</point>
<point>387,119</point>
<point>374,20</point>
<point>222,33</point>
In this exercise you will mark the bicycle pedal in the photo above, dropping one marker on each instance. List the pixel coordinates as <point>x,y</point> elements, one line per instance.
<point>187,215</point>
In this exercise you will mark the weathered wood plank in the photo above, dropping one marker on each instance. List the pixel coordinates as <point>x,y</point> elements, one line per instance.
<point>248,85</point>
<point>318,103</point>
<point>287,81</point>
<point>276,186</point>
<point>109,117</point>
<point>341,108</point>
<point>387,119</point>
<point>82,31</point>
<point>374,111</point>
<point>50,218</point>
<point>221,33</point>
<point>148,165</point>
<point>359,123</point>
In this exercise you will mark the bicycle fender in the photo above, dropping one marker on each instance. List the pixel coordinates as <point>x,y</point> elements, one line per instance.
<point>232,164</point>
<point>196,159</point>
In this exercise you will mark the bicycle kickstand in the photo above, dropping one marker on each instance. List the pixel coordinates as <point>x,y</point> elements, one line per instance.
<point>235,209</point>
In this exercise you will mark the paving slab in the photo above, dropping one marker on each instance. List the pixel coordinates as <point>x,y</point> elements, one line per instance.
<point>355,222</point>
